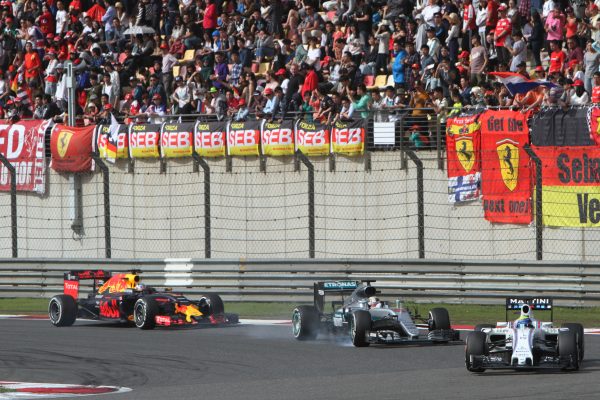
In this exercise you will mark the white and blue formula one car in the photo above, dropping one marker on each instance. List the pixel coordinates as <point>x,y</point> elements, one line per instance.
<point>365,319</point>
<point>525,343</point>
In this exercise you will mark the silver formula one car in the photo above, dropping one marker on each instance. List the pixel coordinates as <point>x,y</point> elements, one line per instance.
<point>525,343</point>
<point>366,319</point>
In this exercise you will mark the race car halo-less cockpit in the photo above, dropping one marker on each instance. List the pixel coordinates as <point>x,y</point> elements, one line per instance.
<point>525,343</point>
<point>365,318</point>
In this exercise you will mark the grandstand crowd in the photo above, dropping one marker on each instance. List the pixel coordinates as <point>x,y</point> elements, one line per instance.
<point>330,60</point>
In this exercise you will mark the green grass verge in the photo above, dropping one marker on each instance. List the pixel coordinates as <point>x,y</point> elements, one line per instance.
<point>459,313</point>
<point>5,390</point>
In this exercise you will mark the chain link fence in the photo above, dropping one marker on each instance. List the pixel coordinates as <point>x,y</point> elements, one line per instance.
<point>391,202</point>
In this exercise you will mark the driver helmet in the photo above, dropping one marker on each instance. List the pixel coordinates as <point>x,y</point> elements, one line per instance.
<point>373,301</point>
<point>525,322</point>
<point>140,286</point>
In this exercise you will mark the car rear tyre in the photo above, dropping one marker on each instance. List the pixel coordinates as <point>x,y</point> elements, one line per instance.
<point>480,327</point>
<point>567,348</point>
<point>578,329</point>
<point>215,303</point>
<point>476,346</point>
<point>439,319</point>
<point>62,310</point>
<point>145,311</point>
<point>360,326</point>
<point>305,323</point>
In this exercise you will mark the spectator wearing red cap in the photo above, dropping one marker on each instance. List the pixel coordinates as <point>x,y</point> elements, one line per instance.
<point>242,111</point>
<point>501,34</point>
<point>579,97</point>
<point>156,109</point>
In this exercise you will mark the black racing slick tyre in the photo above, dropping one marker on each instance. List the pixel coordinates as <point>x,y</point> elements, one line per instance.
<point>215,303</point>
<point>480,327</point>
<point>360,327</point>
<point>578,329</point>
<point>305,322</point>
<point>567,348</point>
<point>145,311</point>
<point>62,310</point>
<point>439,319</point>
<point>476,346</point>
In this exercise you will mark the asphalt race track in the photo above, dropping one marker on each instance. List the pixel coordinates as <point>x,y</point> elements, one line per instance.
<point>264,362</point>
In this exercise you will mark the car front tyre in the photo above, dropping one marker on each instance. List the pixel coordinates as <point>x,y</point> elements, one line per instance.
<point>62,310</point>
<point>476,346</point>
<point>145,311</point>
<point>579,333</point>
<point>360,327</point>
<point>567,348</point>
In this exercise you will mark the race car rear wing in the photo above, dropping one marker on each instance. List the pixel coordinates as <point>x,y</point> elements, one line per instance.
<point>72,278</point>
<point>333,287</point>
<point>536,303</point>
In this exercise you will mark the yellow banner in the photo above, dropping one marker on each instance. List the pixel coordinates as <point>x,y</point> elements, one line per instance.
<point>278,138</point>
<point>143,141</point>
<point>209,139</point>
<point>575,206</point>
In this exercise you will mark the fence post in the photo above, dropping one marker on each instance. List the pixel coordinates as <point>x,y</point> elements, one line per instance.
<point>311,202</point>
<point>13,204</point>
<point>420,201</point>
<point>199,161</point>
<point>438,129</point>
<point>539,227</point>
<point>106,189</point>
<point>403,162</point>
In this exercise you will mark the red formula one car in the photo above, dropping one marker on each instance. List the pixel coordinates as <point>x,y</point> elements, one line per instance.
<point>121,297</point>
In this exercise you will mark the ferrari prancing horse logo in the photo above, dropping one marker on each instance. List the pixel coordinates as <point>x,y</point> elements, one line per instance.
<point>62,142</point>
<point>508,155</point>
<point>465,153</point>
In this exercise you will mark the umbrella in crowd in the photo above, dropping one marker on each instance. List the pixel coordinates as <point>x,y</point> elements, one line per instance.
<point>139,30</point>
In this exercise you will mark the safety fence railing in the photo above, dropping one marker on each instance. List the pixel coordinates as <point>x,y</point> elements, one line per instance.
<point>495,198</point>
<point>292,280</point>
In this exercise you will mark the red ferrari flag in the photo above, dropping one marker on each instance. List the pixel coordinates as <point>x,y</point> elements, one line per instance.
<point>71,148</point>
<point>464,164</point>
<point>505,173</point>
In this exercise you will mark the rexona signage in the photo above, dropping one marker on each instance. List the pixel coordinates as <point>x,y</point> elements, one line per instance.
<point>23,145</point>
<point>570,185</point>
<point>243,138</point>
<point>209,139</point>
<point>312,139</point>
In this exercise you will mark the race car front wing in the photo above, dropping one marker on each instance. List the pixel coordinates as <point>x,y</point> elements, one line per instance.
<point>499,362</point>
